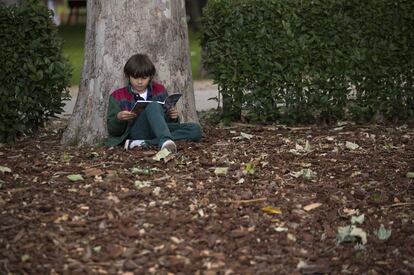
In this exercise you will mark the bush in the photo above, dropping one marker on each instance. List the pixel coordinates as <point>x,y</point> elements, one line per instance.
<point>312,61</point>
<point>34,75</point>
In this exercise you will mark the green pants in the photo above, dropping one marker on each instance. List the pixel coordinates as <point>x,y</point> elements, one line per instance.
<point>152,126</point>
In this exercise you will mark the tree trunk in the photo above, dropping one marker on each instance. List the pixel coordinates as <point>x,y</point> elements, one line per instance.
<point>115,31</point>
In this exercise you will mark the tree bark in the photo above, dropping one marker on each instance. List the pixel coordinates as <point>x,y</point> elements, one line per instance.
<point>115,31</point>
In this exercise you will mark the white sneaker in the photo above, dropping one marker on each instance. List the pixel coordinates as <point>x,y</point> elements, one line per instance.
<point>130,143</point>
<point>170,145</point>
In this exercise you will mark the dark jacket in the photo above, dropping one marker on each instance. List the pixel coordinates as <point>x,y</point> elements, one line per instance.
<point>123,100</point>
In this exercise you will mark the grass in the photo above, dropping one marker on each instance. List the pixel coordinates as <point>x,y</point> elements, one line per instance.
<point>73,42</point>
<point>74,37</point>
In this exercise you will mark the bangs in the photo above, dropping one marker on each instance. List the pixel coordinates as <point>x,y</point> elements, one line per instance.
<point>139,65</point>
<point>141,73</point>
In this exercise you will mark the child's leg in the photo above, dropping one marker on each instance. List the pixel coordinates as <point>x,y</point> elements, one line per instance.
<point>185,131</point>
<point>151,125</point>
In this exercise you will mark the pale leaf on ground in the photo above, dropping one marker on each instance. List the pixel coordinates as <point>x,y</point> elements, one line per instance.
<point>280,229</point>
<point>351,145</point>
<point>156,191</point>
<point>75,177</point>
<point>296,174</point>
<point>25,258</point>
<point>383,233</point>
<point>358,232</point>
<point>358,219</point>
<point>5,169</point>
<point>141,184</point>
<point>308,173</point>
<point>312,206</point>
<point>162,154</point>
<point>351,212</point>
<point>113,198</point>
<point>221,171</point>
<point>249,168</point>
<point>272,210</point>
<point>143,171</point>
<point>245,135</point>
<point>410,175</point>
<point>305,173</point>
<point>351,233</point>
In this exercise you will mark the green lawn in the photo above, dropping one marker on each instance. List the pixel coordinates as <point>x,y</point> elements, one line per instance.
<point>74,36</point>
<point>73,43</point>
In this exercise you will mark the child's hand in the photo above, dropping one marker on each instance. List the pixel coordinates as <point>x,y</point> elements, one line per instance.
<point>173,113</point>
<point>126,115</point>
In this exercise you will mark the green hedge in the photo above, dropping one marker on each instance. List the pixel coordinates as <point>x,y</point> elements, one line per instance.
<point>312,61</point>
<point>34,75</point>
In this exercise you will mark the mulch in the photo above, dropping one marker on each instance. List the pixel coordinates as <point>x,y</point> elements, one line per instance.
<point>246,200</point>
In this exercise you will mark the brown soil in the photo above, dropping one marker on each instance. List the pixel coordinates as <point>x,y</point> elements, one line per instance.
<point>134,215</point>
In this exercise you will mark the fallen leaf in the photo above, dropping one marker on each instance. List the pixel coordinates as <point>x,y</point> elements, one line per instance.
<point>358,219</point>
<point>75,177</point>
<point>305,173</point>
<point>64,217</point>
<point>351,212</point>
<point>382,233</point>
<point>308,173</point>
<point>410,175</point>
<point>113,198</point>
<point>141,184</point>
<point>246,136</point>
<point>358,232</point>
<point>221,171</point>
<point>291,237</point>
<point>351,233</point>
<point>162,154</point>
<point>5,169</point>
<point>272,210</point>
<point>312,206</point>
<point>176,240</point>
<point>351,145</point>
<point>156,191</point>
<point>249,168</point>
<point>143,171</point>
<point>243,136</point>
<point>281,229</point>
<point>25,258</point>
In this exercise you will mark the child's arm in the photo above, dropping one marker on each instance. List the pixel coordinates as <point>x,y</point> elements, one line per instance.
<point>116,127</point>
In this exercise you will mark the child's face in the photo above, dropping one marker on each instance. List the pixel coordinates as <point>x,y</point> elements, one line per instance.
<point>140,83</point>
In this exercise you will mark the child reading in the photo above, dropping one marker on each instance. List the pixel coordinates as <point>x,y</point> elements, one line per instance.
<point>152,126</point>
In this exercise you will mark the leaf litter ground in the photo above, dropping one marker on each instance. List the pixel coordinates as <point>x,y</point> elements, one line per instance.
<point>246,200</point>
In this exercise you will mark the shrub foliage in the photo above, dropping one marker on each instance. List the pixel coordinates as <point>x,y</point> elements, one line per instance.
<point>34,75</point>
<point>312,61</point>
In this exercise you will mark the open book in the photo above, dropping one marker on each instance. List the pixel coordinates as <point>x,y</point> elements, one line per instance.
<point>168,103</point>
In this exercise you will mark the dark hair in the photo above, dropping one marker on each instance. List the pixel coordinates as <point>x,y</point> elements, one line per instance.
<point>139,65</point>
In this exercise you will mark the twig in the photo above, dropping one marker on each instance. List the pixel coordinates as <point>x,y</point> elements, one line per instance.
<point>249,201</point>
<point>401,204</point>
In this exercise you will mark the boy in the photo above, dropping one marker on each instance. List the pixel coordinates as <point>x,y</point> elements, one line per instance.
<point>153,126</point>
